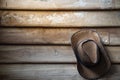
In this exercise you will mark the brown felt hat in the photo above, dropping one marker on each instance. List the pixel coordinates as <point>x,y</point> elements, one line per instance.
<point>92,59</point>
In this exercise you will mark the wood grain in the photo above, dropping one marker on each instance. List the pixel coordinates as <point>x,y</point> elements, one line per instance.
<point>59,4</point>
<point>53,36</point>
<point>115,37</point>
<point>46,54</point>
<point>49,72</point>
<point>60,19</point>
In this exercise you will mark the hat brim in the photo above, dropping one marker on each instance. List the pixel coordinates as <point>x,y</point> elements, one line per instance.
<point>104,64</point>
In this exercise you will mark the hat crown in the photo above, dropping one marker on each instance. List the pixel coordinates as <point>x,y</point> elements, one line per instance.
<point>88,53</point>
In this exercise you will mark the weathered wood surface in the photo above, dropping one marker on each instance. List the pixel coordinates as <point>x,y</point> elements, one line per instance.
<point>46,54</point>
<point>49,72</point>
<point>109,36</point>
<point>60,19</point>
<point>59,4</point>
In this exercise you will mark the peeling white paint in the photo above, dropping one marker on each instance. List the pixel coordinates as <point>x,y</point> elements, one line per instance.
<point>55,18</point>
<point>80,3</point>
<point>6,19</point>
<point>79,14</point>
<point>105,41</point>
<point>61,18</point>
<point>67,15</point>
<point>34,18</point>
<point>106,3</point>
<point>11,17</point>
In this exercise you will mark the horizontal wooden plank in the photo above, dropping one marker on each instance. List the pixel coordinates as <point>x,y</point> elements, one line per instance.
<point>109,36</point>
<point>115,37</point>
<point>59,4</point>
<point>49,72</point>
<point>46,54</point>
<point>60,19</point>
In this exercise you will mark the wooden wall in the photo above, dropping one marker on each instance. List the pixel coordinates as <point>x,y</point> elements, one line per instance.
<point>35,37</point>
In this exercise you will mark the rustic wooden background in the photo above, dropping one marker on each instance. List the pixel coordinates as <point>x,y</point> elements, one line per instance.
<point>35,37</point>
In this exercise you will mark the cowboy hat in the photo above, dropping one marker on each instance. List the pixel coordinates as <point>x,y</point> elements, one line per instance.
<point>92,59</point>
